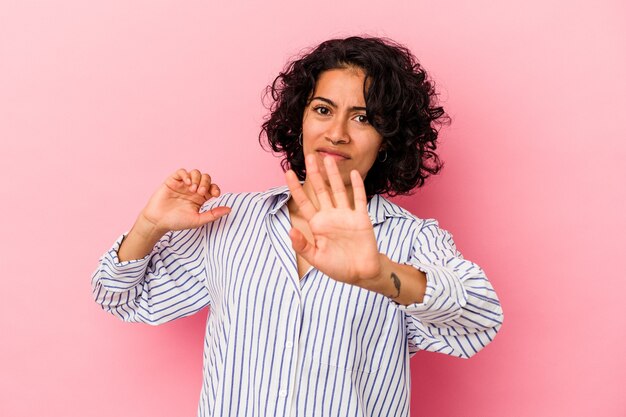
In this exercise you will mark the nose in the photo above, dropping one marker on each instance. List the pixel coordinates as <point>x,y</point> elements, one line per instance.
<point>337,131</point>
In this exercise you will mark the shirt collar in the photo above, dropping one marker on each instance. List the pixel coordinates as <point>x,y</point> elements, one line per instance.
<point>378,208</point>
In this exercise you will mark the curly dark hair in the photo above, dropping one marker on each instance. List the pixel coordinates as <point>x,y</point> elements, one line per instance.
<point>400,104</point>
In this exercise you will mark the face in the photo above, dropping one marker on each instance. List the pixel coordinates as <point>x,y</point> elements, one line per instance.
<point>335,123</point>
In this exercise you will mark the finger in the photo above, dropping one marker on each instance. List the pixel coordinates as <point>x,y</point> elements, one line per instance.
<point>302,246</point>
<point>176,181</point>
<point>195,180</point>
<point>336,183</point>
<point>182,175</point>
<point>306,207</point>
<point>215,190</point>
<point>205,185</point>
<point>358,189</point>
<point>212,215</point>
<point>314,175</point>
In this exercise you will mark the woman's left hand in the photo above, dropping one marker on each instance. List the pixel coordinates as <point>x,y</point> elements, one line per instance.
<point>344,245</point>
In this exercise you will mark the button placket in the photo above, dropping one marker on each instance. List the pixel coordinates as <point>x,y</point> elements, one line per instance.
<point>288,346</point>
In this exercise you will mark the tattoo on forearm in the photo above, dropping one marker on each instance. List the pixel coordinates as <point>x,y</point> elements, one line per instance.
<point>396,283</point>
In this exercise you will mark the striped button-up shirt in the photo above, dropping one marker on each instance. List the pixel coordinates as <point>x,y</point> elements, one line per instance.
<point>278,345</point>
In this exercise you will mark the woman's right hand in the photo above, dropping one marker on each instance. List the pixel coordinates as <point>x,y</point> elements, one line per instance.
<point>175,204</point>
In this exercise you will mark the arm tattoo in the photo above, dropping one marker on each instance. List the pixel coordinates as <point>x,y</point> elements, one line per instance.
<point>396,283</point>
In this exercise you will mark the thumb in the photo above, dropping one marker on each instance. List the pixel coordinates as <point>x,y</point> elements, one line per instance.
<point>212,215</point>
<point>302,246</point>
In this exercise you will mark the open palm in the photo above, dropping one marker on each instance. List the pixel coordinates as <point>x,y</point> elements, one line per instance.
<point>344,245</point>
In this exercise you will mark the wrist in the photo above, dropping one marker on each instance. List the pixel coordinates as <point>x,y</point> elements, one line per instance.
<point>401,283</point>
<point>147,230</point>
<point>139,241</point>
<point>381,283</point>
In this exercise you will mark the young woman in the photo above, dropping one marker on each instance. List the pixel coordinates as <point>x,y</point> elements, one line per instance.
<point>321,290</point>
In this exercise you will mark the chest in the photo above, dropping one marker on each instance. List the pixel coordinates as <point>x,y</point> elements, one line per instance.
<point>252,256</point>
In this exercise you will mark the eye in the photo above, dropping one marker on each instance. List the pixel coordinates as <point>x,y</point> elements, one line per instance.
<point>323,110</point>
<point>361,118</point>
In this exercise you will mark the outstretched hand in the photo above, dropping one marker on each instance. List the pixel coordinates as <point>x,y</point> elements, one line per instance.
<point>176,204</point>
<point>344,245</point>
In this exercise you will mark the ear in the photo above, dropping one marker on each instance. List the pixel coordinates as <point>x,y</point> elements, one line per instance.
<point>382,154</point>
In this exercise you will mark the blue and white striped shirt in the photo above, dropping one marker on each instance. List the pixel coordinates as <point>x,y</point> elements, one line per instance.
<point>277,345</point>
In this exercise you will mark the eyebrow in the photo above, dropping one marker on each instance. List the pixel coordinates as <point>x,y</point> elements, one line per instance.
<point>324,99</point>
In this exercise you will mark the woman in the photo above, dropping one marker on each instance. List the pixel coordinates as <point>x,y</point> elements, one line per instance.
<point>319,291</point>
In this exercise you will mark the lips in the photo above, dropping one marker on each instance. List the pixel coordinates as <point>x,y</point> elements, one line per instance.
<point>333,153</point>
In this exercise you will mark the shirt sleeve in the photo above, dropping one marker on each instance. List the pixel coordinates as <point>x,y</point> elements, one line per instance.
<point>460,313</point>
<point>167,284</point>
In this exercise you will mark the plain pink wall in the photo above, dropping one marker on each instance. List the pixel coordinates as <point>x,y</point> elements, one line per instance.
<point>99,101</point>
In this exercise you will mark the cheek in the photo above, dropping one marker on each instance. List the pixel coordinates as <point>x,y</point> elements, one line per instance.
<point>309,133</point>
<point>369,159</point>
<point>313,130</point>
<point>374,151</point>
<point>366,164</point>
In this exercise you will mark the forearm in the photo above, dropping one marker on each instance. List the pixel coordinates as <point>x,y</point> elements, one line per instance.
<point>402,283</point>
<point>157,288</point>
<point>140,241</point>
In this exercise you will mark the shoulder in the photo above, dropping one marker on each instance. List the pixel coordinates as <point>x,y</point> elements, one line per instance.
<point>248,201</point>
<point>390,211</point>
<point>383,209</point>
<point>232,200</point>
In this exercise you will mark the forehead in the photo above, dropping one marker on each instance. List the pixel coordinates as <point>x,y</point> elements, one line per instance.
<point>345,84</point>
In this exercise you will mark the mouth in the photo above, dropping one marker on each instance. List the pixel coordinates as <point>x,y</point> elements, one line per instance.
<point>333,153</point>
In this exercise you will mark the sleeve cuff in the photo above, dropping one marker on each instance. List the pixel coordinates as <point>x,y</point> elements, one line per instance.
<point>445,295</point>
<point>116,275</point>
<point>113,252</point>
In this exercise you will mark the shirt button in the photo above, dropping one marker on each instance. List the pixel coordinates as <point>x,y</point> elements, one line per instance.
<point>288,345</point>
<point>282,393</point>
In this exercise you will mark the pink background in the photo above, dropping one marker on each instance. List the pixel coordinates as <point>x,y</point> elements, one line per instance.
<point>99,101</point>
